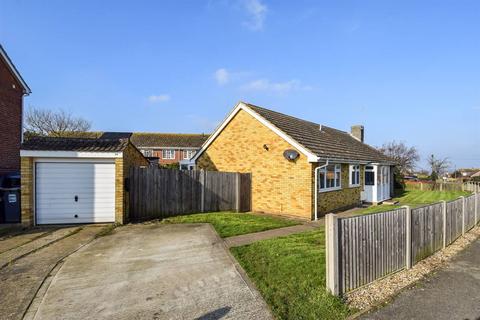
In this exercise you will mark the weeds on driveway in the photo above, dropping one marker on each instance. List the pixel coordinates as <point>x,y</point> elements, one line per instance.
<point>228,224</point>
<point>290,274</point>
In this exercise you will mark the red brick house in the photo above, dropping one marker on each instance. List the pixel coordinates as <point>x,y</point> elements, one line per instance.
<point>12,90</point>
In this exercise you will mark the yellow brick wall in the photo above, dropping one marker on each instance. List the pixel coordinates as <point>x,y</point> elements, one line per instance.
<point>278,185</point>
<point>26,167</point>
<point>347,197</point>
<point>119,192</point>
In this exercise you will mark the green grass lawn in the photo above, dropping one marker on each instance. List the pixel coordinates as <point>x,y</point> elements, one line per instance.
<point>230,224</point>
<point>416,198</point>
<point>290,274</point>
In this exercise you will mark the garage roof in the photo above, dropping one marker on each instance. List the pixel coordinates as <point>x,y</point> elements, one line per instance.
<point>74,144</point>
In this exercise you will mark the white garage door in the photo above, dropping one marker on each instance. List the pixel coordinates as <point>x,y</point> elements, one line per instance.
<point>74,192</point>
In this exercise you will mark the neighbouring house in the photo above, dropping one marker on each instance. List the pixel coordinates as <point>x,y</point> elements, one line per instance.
<point>159,148</point>
<point>475,176</point>
<point>12,90</point>
<point>76,180</point>
<point>298,167</point>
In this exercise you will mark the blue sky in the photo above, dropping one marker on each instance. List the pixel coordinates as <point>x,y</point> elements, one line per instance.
<point>408,70</point>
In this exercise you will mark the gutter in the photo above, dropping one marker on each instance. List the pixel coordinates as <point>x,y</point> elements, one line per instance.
<point>317,169</point>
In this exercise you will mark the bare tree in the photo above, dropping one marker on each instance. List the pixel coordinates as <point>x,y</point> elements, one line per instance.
<point>44,122</point>
<point>405,157</point>
<point>437,167</point>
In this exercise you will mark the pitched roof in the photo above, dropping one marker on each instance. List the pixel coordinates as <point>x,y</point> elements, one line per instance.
<point>319,140</point>
<point>75,144</point>
<point>14,71</point>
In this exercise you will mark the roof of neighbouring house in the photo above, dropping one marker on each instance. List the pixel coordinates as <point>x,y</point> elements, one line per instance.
<point>475,175</point>
<point>74,144</point>
<point>149,140</point>
<point>322,141</point>
<point>14,71</point>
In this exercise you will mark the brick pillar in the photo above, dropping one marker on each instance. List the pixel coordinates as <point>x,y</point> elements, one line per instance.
<point>26,191</point>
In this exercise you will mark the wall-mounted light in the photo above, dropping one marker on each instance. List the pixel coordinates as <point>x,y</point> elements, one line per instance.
<point>291,155</point>
<point>265,146</point>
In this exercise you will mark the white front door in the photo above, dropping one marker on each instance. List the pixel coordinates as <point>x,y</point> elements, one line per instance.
<point>74,192</point>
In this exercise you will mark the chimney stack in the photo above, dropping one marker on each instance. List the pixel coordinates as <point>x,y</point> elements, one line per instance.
<point>358,132</point>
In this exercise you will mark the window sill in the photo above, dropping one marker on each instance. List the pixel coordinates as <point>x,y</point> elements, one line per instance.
<point>354,186</point>
<point>329,189</point>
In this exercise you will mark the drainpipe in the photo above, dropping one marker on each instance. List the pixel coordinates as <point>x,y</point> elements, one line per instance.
<point>317,169</point>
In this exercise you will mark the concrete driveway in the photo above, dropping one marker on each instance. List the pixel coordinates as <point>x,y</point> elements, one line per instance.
<point>451,293</point>
<point>152,271</point>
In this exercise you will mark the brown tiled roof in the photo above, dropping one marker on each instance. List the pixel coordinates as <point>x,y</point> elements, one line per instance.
<point>323,141</point>
<point>168,140</point>
<point>74,144</point>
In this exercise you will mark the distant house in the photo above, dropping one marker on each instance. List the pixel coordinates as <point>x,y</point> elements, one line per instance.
<point>298,167</point>
<point>161,148</point>
<point>12,90</point>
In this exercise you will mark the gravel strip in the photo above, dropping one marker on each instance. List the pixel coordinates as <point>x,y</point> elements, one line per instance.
<point>379,291</point>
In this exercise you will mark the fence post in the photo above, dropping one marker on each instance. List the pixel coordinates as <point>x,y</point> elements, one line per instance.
<point>237,191</point>
<point>331,241</point>
<point>203,173</point>
<point>463,214</point>
<point>408,230</point>
<point>444,214</point>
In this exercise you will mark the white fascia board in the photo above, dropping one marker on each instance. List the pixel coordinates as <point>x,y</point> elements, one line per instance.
<point>176,148</point>
<point>241,106</point>
<point>69,154</point>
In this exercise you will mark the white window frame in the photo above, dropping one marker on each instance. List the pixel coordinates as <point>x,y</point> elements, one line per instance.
<point>354,171</point>
<point>188,154</point>
<point>337,172</point>
<point>168,154</point>
<point>147,152</point>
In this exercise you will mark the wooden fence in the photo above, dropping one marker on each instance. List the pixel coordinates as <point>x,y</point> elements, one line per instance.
<point>441,186</point>
<point>364,248</point>
<point>160,193</point>
<point>472,186</point>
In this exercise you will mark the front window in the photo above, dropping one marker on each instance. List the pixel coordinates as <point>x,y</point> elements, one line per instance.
<point>168,154</point>
<point>354,175</point>
<point>188,154</point>
<point>369,176</point>
<point>330,177</point>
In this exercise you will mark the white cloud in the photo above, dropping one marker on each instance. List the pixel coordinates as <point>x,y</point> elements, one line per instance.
<point>159,98</point>
<point>257,12</point>
<point>222,76</point>
<point>277,87</point>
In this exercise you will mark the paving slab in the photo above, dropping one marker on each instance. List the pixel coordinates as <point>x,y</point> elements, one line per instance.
<point>152,271</point>
<point>451,293</point>
<point>244,239</point>
<point>20,280</point>
<point>15,253</point>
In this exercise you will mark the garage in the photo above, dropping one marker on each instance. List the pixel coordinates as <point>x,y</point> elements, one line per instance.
<point>76,180</point>
<point>90,199</point>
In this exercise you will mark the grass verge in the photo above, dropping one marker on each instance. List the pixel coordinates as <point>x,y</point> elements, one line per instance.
<point>228,224</point>
<point>290,274</point>
<point>416,198</point>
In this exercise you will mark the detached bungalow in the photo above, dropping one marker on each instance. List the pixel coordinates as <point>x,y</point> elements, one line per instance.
<point>298,167</point>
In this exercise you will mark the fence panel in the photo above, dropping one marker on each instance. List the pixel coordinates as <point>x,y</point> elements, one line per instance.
<point>427,231</point>
<point>469,212</point>
<point>454,220</point>
<point>159,193</point>
<point>370,247</point>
